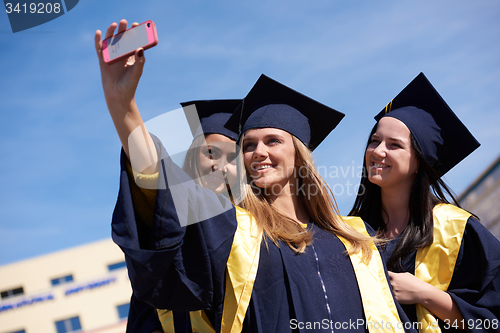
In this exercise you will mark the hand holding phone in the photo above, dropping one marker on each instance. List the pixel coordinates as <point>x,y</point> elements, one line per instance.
<point>124,44</point>
<point>120,80</point>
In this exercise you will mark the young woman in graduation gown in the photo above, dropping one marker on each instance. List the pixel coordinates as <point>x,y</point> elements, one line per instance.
<point>285,263</point>
<point>445,265</point>
<point>210,162</point>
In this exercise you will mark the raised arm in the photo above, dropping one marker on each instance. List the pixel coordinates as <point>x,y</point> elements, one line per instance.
<point>119,82</point>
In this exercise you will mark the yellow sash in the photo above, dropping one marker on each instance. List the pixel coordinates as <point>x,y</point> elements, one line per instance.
<point>435,263</point>
<point>380,310</point>
<point>167,320</point>
<point>242,267</point>
<point>240,276</point>
<point>199,321</point>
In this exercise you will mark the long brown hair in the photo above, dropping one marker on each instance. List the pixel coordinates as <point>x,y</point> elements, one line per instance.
<point>320,206</point>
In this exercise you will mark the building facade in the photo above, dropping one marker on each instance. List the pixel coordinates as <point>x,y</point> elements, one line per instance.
<point>85,288</point>
<point>482,198</point>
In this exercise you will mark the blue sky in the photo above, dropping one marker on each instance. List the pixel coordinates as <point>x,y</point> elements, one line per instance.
<point>59,150</point>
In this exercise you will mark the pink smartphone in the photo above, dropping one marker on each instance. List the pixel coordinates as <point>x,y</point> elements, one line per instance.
<point>124,44</point>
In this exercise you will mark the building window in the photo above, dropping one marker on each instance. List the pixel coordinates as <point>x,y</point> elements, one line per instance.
<point>123,310</point>
<point>68,325</point>
<point>62,280</point>
<point>12,292</point>
<point>116,266</point>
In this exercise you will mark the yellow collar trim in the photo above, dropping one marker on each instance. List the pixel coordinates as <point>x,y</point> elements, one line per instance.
<point>373,286</point>
<point>199,321</point>
<point>435,263</point>
<point>242,267</point>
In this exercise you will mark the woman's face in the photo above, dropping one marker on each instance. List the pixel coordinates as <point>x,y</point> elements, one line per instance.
<point>391,161</point>
<point>269,157</point>
<point>217,162</point>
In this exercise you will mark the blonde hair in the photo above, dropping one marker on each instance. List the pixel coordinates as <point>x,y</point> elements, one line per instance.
<point>320,206</point>
<point>191,166</point>
<point>192,159</point>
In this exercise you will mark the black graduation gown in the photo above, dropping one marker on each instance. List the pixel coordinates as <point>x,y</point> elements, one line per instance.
<point>475,284</point>
<point>142,317</point>
<point>183,268</point>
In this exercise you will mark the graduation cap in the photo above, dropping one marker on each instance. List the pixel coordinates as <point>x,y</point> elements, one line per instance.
<point>209,116</point>
<point>272,104</point>
<point>442,137</point>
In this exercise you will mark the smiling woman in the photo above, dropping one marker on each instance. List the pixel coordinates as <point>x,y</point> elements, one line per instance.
<point>269,157</point>
<point>217,163</point>
<point>210,162</point>
<point>445,265</point>
<point>211,158</point>
<point>391,161</point>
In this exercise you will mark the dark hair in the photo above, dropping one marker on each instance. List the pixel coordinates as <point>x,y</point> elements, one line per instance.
<point>419,231</point>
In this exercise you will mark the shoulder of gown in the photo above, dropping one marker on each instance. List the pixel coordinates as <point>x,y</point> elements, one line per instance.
<point>475,285</point>
<point>169,272</point>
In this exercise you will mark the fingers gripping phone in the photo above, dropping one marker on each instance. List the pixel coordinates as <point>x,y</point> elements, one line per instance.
<point>124,44</point>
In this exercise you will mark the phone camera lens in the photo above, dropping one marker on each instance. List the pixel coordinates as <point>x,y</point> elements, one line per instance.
<point>149,24</point>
